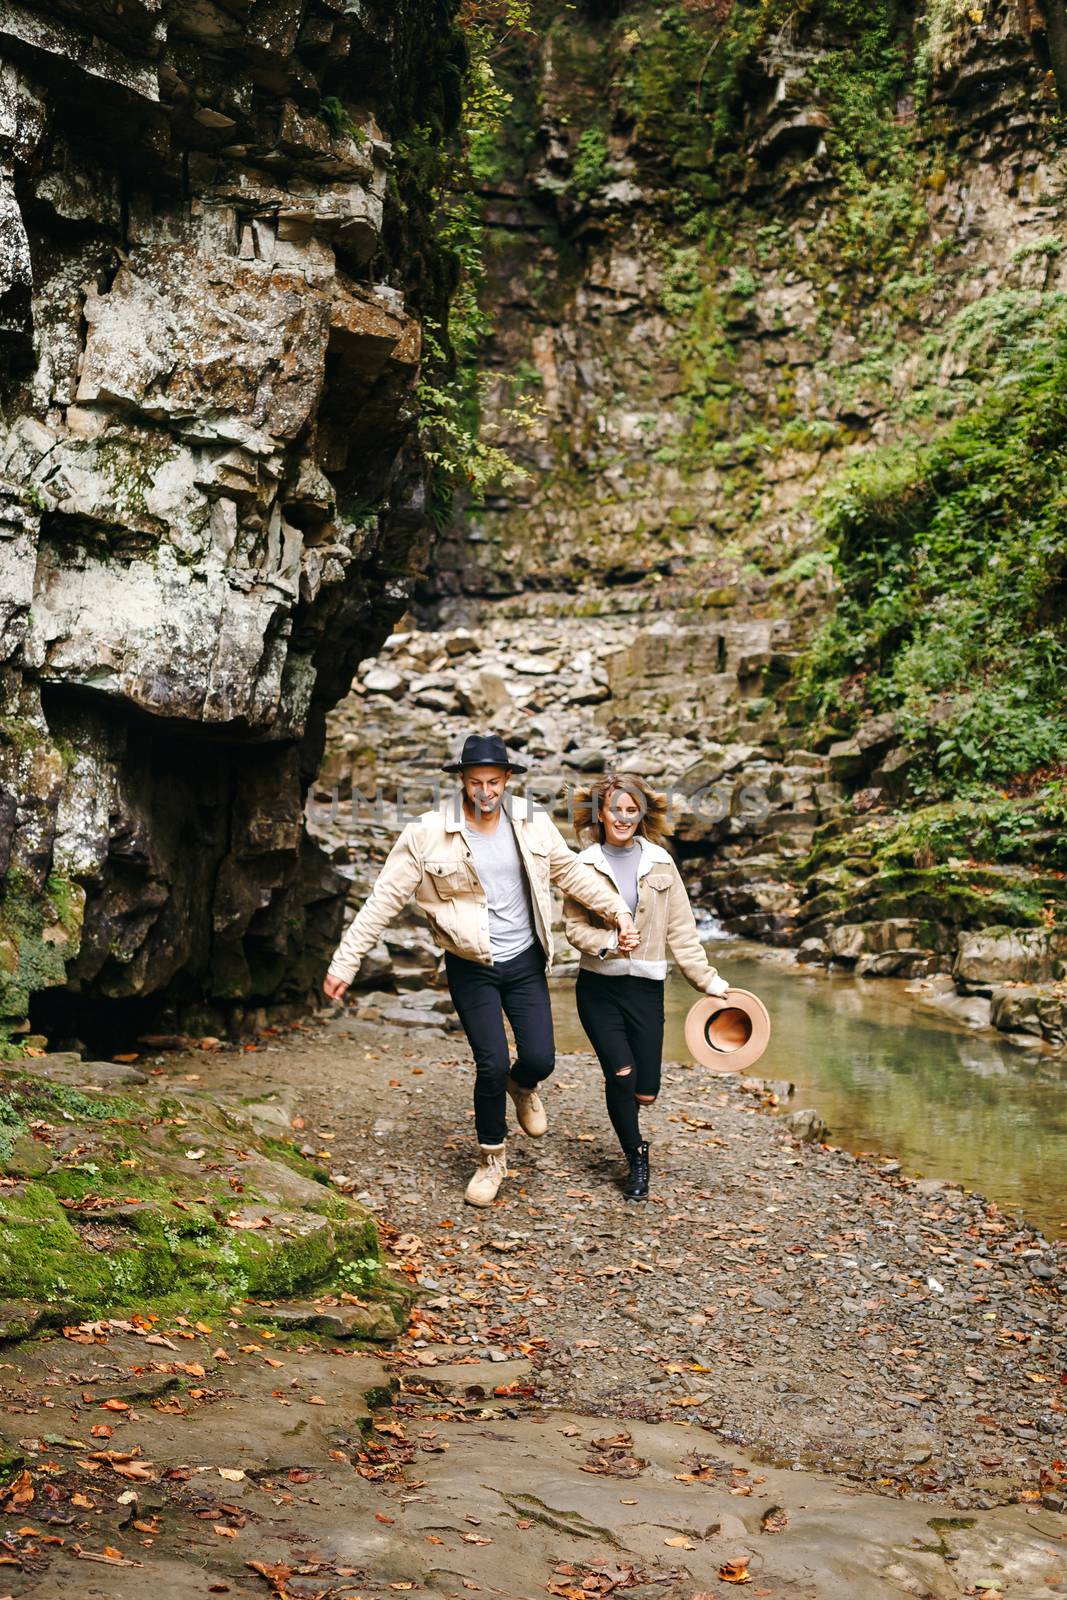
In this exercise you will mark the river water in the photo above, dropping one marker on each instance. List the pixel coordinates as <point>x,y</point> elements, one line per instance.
<point>890,1077</point>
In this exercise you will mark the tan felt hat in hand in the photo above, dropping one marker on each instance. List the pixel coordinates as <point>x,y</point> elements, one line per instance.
<point>728,1032</point>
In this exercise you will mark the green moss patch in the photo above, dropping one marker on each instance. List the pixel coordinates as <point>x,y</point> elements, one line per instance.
<point>951,866</point>
<point>144,1201</point>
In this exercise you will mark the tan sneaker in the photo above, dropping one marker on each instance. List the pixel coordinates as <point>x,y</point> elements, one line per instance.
<point>492,1170</point>
<point>528,1109</point>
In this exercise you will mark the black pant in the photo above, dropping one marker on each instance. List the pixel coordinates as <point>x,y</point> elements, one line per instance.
<point>482,996</point>
<point>624,1020</point>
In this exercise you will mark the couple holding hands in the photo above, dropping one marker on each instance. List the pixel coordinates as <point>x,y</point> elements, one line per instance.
<point>481,871</point>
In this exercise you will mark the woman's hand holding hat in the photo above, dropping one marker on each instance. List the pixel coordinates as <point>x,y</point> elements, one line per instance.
<point>715,985</point>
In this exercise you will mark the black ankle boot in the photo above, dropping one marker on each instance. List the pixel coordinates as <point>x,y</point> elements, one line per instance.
<point>636,1185</point>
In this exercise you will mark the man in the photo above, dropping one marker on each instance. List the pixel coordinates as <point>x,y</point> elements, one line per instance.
<point>480,871</point>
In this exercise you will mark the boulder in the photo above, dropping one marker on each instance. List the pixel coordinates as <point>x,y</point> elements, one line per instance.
<point>813,952</point>
<point>459,642</point>
<point>973,1010</point>
<point>894,964</point>
<point>587,758</point>
<point>1009,955</point>
<point>27,1158</point>
<point>63,1066</point>
<point>853,940</point>
<point>534,666</point>
<point>715,764</point>
<point>1032,1010</point>
<point>383,680</point>
<point>891,773</point>
<point>445,700</point>
<point>340,1320</point>
<point>375,966</point>
<point>853,758</point>
<point>807,1125</point>
<point>589,694</point>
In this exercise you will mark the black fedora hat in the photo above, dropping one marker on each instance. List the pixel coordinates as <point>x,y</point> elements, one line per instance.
<point>483,750</point>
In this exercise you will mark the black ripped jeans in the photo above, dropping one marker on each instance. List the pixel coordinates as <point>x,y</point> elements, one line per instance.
<point>624,1020</point>
<point>483,996</point>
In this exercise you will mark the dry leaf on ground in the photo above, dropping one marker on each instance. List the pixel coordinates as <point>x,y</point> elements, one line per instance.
<point>735,1571</point>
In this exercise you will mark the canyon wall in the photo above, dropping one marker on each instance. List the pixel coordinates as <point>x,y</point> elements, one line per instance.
<point>715,307</point>
<point>214,266</point>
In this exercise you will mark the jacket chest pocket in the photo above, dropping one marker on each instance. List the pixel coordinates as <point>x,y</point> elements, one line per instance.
<point>658,883</point>
<point>448,879</point>
<point>535,859</point>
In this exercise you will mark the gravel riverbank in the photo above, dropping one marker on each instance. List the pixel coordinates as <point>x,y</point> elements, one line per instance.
<point>811,1307</point>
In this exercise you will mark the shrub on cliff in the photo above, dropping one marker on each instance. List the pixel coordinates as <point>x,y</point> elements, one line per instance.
<point>951,558</point>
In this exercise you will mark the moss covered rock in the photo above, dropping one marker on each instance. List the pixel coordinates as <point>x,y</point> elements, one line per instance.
<point>150,1199</point>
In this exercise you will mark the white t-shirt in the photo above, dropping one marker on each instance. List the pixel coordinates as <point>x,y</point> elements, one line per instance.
<point>499,866</point>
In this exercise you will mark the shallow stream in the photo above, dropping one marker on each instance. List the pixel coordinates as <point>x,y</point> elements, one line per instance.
<point>892,1077</point>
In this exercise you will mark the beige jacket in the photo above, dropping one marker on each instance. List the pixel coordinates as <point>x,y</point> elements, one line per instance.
<point>663,918</point>
<point>432,861</point>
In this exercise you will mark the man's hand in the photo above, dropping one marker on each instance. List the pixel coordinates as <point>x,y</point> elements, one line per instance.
<point>629,939</point>
<point>334,987</point>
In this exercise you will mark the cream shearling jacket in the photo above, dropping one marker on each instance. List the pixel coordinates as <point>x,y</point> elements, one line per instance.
<point>432,861</point>
<point>664,918</point>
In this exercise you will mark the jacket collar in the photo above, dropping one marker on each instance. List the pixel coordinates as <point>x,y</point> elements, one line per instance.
<point>651,855</point>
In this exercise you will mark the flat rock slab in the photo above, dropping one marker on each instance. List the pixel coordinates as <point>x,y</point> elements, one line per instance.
<point>27,1158</point>
<point>20,1318</point>
<point>64,1066</point>
<point>273,1455</point>
<point>234,1400</point>
<point>271,1113</point>
<point>501,1379</point>
<point>336,1322</point>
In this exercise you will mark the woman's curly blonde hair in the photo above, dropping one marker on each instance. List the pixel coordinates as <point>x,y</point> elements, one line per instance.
<point>588,803</point>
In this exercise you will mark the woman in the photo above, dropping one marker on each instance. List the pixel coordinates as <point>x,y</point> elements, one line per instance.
<point>620,996</point>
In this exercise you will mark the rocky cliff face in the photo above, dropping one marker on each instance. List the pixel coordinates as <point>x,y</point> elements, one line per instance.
<point>212,271</point>
<point>721,288</point>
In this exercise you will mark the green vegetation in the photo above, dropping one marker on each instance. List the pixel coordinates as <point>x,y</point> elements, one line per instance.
<point>681,77</point>
<point>459,445</point>
<point>951,558</point>
<point>925,866</point>
<point>129,1201</point>
<point>337,119</point>
<point>590,165</point>
<point>988,830</point>
<point>681,71</point>
<point>982,828</point>
<point>39,932</point>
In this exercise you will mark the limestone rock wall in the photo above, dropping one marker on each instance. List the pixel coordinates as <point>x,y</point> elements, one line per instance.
<point>703,368</point>
<point>212,275</point>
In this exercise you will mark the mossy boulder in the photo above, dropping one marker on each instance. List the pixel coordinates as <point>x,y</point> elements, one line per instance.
<point>27,1158</point>
<point>151,1198</point>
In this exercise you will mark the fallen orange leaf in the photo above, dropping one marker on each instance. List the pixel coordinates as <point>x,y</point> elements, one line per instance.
<point>735,1571</point>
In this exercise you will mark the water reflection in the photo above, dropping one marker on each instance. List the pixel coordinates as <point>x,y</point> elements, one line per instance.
<point>891,1078</point>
